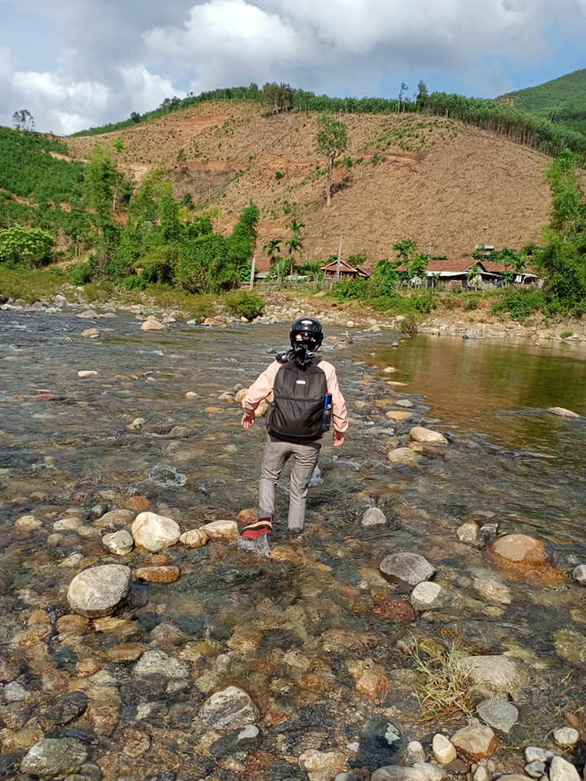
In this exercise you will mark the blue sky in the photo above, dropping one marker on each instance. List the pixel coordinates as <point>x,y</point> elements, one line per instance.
<point>76,63</point>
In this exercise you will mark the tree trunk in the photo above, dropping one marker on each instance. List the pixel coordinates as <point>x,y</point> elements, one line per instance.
<point>329,184</point>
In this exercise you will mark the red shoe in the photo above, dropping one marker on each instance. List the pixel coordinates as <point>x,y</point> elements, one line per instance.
<point>251,531</point>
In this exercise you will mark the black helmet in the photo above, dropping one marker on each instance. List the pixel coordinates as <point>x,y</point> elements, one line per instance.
<point>306,331</point>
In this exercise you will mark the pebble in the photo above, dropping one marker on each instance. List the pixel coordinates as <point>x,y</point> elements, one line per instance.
<point>429,596</point>
<point>494,673</point>
<point>402,455</point>
<point>90,333</point>
<point>498,713</point>
<point>98,591</point>
<point>14,692</point>
<point>159,574</point>
<point>27,523</point>
<point>492,590</point>
<point>322,765</point>
<point>155,532</point>
<point>373,517</point>
<point>397,773</point>
<point>120,543</point>
<point>565,737</point>
<point>195,538</point>
<point>414,752</point>
<point>443,749</point>
<point>68,708</point>
<point>468,533</point>
<point>475,741</point>
<point>406,569</point>
<point>430,770</point>
<point>152,324</point>
<point>230,708</point>
<point>87,373</point>
<point>54,758</point>
<point>562,770</point>
<point>156,662</point>
<point>579,573</point>
<point>535,769</point>
<point>533,754</point>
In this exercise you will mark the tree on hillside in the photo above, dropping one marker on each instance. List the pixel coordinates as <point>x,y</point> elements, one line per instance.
<point>242,241</point>
<point>422,96</point>
<point>564,255</point>
<point>294,243</point>
<point>332,141</point>
<point>278,97</point>
<point>273,249</point>
<point>20,246</point>
<point>101,178</point>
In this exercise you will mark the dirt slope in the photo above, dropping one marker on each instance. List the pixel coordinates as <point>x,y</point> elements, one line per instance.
<point>447,185</point>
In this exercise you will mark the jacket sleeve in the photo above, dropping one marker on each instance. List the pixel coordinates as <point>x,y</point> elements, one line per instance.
<point>339,411</point>
<point>260,388</point>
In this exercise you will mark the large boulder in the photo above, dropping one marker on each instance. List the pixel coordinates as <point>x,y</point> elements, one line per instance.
<point>231,708</point>
<point>99,590</point>
<point>54,758</point>
<point>155,532</point>
<point>406,569</point>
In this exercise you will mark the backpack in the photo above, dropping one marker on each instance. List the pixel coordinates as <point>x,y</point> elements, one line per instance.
<point>297,411</point>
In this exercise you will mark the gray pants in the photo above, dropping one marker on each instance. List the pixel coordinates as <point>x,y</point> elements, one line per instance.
<point>276,454</point>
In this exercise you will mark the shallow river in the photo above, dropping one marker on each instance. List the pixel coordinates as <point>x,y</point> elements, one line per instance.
<point>295,631</point>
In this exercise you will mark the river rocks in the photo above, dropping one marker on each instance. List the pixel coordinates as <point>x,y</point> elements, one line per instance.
<point>51,758</point>
<point>579,574</point>
<point>562,770</point>
<point>469,533</point>
<point>443,749</point>
<point>397,773</point>
<point>68,708</point>
<point>155,532</point>
<point>152,324</point>
<point>160,574</point>
<point>492,590</point>
<point>493,673</point>
<point>566,737</point>
<point>120,543</point>
<point>570,645</point>
<point>156,662</point>
<point>520,548</point>
<point>373,517</point>
<point>227,531</point>
<point>86,374</point>
<point>429,596</point>
<point>116,516</point>
<point>373,683</point>
<point>195,538</point>
<point>322,765</point>
<point>398,415</point>
<point>535,769</point>
<point>475,741</point>
<point>498,713</point>
<point>99,590</point>
<point>420,434</point>
<point>562,412</point>
<point>231,708</point>
<point>414,752</point>
<point>430,770</point>
<point>536,754</point>
<point>90,333</point>
<point>403,455</point>
<point>406,569</point>
<point>405,403</point>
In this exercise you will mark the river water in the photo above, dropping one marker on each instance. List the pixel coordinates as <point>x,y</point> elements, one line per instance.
<point>297,630</point>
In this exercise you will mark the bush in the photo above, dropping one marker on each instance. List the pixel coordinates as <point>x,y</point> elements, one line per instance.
<point>519,304</point>
<point>352,289</point>
<point>80,274</point>
<point>245,304</point>
<point>133,283</point>
<point>30,286</point>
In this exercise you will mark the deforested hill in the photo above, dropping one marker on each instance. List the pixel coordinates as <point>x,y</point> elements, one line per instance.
<point>446,184</point>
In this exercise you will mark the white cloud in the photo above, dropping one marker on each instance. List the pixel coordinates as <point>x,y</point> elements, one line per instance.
<point>146,89</point>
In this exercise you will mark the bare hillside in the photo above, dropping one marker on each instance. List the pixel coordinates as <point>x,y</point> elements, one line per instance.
<point>448,185</point>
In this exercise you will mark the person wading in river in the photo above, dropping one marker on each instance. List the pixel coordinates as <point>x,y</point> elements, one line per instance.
<point>306,397</point>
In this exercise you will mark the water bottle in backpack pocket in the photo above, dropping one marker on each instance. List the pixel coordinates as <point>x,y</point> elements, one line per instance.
<point>327,418</point>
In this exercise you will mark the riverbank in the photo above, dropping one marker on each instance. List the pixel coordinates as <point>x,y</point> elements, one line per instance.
<point>327,659</point>
<point>467,316</point>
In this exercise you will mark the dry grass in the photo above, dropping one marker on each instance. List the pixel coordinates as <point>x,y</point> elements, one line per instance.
<point>443,689</point>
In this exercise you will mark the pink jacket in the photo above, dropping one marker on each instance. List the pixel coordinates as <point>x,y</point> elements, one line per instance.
<point>264,383</point>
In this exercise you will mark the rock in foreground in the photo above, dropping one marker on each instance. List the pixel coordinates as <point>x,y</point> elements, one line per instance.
<point>421,434</point>
<point>99,590</point>
<point>155,532</point>
<point>406,569</point>
<point>475,741</point>
<point>562,412</point>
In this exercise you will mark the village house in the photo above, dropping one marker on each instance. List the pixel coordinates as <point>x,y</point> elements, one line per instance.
<point>337,270</point>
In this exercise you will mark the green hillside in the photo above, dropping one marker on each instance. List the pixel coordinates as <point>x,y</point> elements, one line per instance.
<point>561,101</point>
<point>38,189</point>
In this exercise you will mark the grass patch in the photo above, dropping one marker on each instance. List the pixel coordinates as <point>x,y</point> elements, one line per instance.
<point>30,286</point>
<point>443,688</point>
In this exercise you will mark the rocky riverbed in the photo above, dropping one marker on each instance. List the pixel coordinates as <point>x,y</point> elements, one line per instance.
<point>429,623</point>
